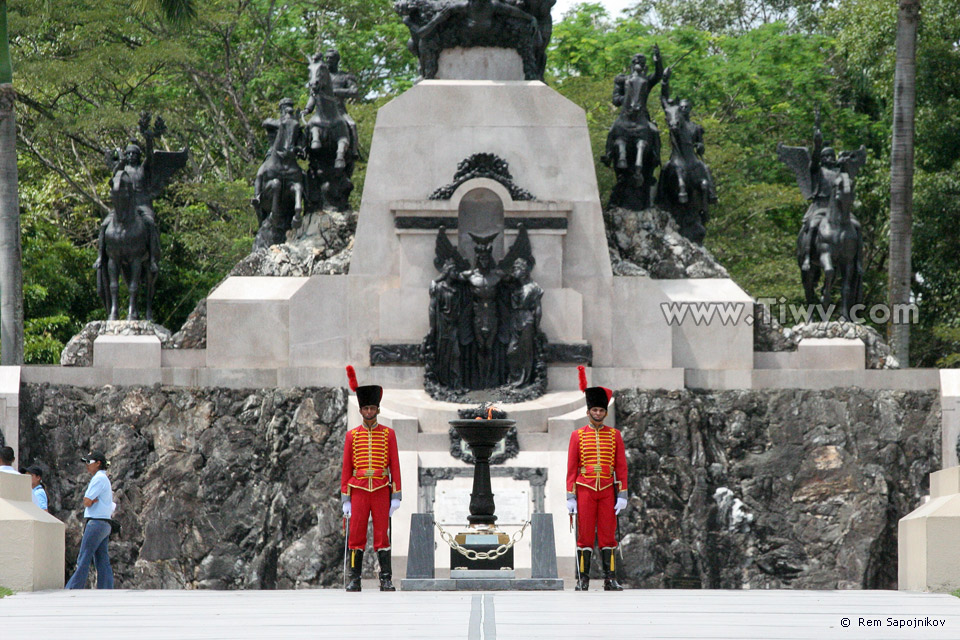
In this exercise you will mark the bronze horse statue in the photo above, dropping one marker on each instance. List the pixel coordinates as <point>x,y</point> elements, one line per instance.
<point>836,251</point>
<point>278,190</point>
<point>125,250</point>
<point>332,149</point>
<point>633,143</point>
<point>686,187</point>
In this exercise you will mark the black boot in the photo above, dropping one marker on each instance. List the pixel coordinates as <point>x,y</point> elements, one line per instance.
<point>356,567</point>
<point>610,570</point>
<point>386,572</point>
<point>583,569</point>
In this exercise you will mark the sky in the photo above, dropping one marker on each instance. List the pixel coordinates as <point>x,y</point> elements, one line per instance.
<point>614,7</point>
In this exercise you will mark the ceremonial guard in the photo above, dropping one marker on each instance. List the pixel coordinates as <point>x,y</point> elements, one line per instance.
<point>596,486</point>
<point>369,484</point>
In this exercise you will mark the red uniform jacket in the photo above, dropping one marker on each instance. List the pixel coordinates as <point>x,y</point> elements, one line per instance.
<point>370,461</point>
<point>593,458</point>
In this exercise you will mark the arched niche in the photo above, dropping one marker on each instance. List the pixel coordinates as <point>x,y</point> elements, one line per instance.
<point>480,212</point>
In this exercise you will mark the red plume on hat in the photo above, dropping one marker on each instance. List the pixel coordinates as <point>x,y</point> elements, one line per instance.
<point>352,378</point>
<point>596,396</point>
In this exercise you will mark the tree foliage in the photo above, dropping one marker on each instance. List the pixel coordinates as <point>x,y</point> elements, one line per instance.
<point>755,70</point>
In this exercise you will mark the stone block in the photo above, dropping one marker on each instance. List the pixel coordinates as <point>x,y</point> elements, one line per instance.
<point>126,352</point>
<point>321,313</point>
<point>10,407</point>
<point>404,314</point>
<point>543,558</point>
<point>420,561</point>
<point>950,416</point>
<point>249,322</point>
<point>562,318</point>
<point>183,358</point>
<point>33,541</point>
<point>480,63</point>
<point>640,337</point>
<point>928,554</point>
<point>831,353</point>
<point>716,331</point>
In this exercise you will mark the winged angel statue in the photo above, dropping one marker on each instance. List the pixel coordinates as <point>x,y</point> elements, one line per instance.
<point>485,320</point>
<point>830,240</point>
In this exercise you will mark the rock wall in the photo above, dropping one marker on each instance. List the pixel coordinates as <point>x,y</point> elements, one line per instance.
<point>772,488</point>
<point>239,489</point>
<point>215,488</point>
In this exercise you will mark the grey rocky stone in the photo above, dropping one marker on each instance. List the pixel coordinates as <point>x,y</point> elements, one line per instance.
<point>78,352</point>
<point>324,247</point>
<point>648,242</point>
<point>825,475</point>
<point>218,489</point>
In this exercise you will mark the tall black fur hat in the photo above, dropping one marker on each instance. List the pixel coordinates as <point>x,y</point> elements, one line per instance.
<point>596,396</point>
<point>367,395</point>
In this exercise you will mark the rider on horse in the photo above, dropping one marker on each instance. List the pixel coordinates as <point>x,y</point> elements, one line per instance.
<point>630,93</point>
<point>686,140</point>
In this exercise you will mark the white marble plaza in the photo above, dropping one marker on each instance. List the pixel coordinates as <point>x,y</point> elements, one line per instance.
<point>264,615</point>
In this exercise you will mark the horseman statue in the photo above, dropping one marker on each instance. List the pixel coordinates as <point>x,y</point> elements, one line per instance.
<point>686,185</point>
<point>633,143</point>
<point>830,239</point>
<point>128,242</point>
<point>333,143</point>
<point>278,189</point>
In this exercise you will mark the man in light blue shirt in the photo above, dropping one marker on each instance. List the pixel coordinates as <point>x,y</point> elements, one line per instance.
<point>98,503</point>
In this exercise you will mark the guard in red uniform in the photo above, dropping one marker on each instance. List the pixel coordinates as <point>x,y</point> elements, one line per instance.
<point>369,484</point>
<point>596,486</point>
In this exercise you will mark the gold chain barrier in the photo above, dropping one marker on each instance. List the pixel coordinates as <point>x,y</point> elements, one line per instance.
<point>471,554</point>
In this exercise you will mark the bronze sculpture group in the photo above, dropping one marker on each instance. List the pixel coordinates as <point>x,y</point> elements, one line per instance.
<point>830,241</point>
<point>435,25</point>
<point>685,188</point>
<point>485,320</point>
<point>128,244</point>
<point>283,191</point>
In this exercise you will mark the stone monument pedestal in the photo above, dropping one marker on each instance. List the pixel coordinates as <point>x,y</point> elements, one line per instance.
<point>929,558</point>
<point>31,540</point>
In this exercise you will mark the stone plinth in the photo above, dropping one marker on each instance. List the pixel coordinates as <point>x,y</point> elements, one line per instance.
<point>10,407</point>
<point>831,353</point>
<point>31,540</point>
<point>716,331</point>
<point>950,415</point>
<point>126,352</point>
<point>929,557</point>
<point>480,63</point>
<point>248,322</point>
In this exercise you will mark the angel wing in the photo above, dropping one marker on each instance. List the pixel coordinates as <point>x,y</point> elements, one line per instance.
<point>446,251</point>
<point>519,249</point>
<point>852,161</point>
<point>798,159</point>
<point>162,167</point>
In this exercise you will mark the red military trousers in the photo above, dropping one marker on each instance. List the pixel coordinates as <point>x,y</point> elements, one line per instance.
<point>595,517</point>
<point>364,504</point>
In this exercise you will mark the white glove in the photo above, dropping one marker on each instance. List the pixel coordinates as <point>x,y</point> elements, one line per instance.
<point>394,505</point>
<point>571,505</point>
<point>620,506</point>
<point>346,508</point>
